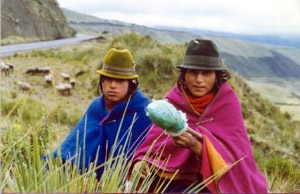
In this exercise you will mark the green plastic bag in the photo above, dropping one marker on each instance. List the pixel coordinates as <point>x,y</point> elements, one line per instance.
<point>166,116</point>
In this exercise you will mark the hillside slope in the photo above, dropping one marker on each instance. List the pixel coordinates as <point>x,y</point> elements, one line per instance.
<point>274,136</point>
<point>291,40</point>
<point>247,58</point>
<point>257,60</point>
<point>32,20</point>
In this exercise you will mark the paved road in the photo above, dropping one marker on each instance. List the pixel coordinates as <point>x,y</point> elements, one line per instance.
<point>9,50</point>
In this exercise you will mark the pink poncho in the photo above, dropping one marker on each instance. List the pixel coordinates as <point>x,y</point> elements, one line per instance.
<point>225,141</point>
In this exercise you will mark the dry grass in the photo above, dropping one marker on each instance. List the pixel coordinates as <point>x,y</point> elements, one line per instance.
<point>280,134</point>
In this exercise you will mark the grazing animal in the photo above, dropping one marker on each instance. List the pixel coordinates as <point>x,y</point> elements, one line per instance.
<point>32,70</point>
<point>63,88</point>
<point>73,82</point>
<point>45,70</point>
<point>11,66</point>
<point>79,73</point>
<point>48,79</point>
<point>65,76</point>
<point>4,69</point>
<point>24,86</point>
<point>35,70</point>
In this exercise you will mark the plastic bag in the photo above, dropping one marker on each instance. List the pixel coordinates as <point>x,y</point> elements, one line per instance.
<point>166,116</point>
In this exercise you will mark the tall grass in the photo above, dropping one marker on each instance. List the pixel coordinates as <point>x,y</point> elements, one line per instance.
<point>274,136</point>
<point>24,171</point>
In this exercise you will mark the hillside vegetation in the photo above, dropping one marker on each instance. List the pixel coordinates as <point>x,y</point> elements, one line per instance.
<point>40,118</point>
<point>249,59</point>
<point>32,20</point>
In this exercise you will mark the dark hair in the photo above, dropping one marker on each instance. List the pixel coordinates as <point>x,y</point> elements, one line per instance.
<point>132,87</point>
<point>221,77</point>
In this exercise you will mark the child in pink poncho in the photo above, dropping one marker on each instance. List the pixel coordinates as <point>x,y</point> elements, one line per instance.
<point>216,136</point>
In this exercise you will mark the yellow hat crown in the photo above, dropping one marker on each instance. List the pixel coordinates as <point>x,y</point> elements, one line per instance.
<point>118,64</point>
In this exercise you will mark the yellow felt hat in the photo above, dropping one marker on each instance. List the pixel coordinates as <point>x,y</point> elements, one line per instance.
<point>118,64</point>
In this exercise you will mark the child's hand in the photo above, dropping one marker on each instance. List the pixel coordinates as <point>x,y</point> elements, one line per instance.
<point>189,139</point>
<point>141,167</point>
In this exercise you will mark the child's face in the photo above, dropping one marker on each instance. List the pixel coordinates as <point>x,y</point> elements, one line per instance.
<point>200,82</point>
<point>114,89</point>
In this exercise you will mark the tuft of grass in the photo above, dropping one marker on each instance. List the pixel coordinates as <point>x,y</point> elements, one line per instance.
<point>25,172</point>
<point>274,136</point>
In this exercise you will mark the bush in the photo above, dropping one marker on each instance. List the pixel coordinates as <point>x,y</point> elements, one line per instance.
<point>49,53</point>
<point>70,117</point>
<point>6,105</point>
<point>133,42</point>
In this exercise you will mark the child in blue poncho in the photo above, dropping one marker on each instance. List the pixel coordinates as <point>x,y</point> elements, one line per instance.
<point>96,132</point>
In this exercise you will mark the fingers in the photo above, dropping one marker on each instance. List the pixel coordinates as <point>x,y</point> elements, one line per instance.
<point>188,138</point>
<point>195,133</point>
<point>179,143</point>
<point>143,168</point>
<point>146,170</point>
<point>184,140</point>
<point>184,137</point>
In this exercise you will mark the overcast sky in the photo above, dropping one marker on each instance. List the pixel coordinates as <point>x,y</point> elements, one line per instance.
<point>237,16</point>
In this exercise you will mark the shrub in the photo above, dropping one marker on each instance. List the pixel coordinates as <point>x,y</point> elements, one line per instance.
<point>133,42</point>
<point>6,105</point>
<point>49,53</point>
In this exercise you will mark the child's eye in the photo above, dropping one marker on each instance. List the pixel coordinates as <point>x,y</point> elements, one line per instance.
<point>107,79</point>
<point>207,72</point>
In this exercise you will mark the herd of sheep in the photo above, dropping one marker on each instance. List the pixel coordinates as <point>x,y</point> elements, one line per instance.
<point>62,88</point>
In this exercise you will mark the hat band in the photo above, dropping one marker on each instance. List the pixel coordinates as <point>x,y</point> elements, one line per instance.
<point>203,60</point>
<point>118,70</point>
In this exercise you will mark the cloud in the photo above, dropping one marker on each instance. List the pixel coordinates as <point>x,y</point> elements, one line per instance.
<point>254,17</point>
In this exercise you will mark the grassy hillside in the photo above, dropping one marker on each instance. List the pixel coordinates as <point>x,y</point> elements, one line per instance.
<point>282,94</point>
<point>41,116</point>
<point>253,60</point>
<point>249,59</point>
<point>278,66</point>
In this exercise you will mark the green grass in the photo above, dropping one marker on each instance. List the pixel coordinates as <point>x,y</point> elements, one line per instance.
<point>18,40</point>
<point>282,175</point>
<point>24,171</point>
<point>36,122</point>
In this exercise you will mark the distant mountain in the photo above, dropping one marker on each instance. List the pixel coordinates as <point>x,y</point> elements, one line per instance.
<point>280,40</point>
<point>251,59</point>
<point>248,58</point>
<point>84,23</point>
<point>75,17</point>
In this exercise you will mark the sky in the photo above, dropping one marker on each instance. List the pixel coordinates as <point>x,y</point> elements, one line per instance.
<point>233,16</point>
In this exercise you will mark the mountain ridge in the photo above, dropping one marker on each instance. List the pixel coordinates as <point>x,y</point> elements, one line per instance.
<point>290,40</point>
<point>248,58</point>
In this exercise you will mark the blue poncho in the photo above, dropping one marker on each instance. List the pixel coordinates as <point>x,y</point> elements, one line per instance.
<point>101,130</point>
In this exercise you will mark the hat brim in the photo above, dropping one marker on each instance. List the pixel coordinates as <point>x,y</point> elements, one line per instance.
<point>200,67</point>
<point>101,72</point>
